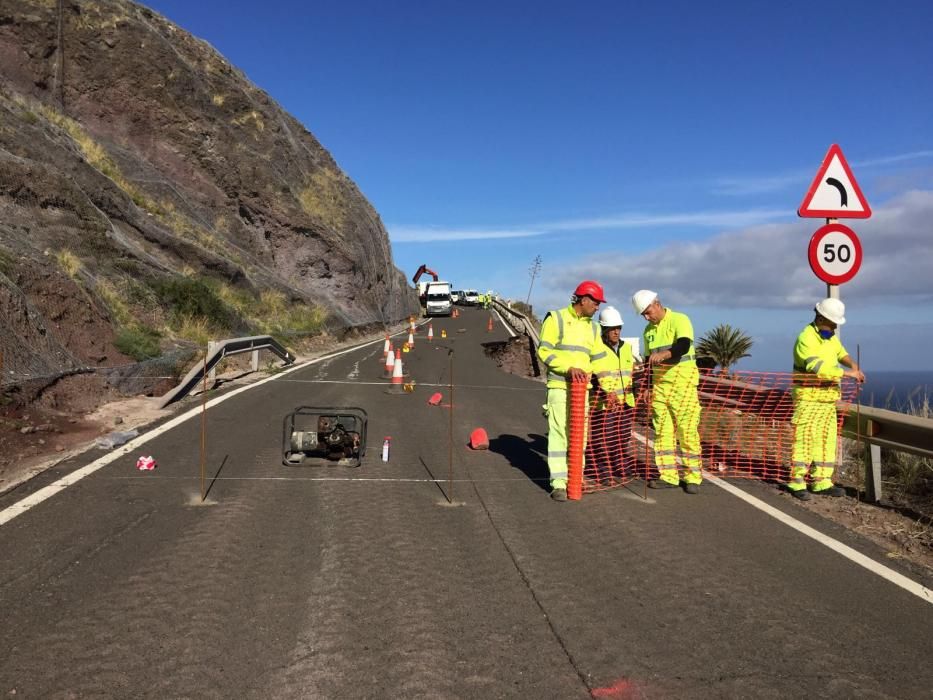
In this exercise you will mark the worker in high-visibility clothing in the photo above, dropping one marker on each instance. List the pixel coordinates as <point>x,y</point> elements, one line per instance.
<point>675,405</point>
<point>608,458</point>
<point>818,354</point>
<point>569,343</point>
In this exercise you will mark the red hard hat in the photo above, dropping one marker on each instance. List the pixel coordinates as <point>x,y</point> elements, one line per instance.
<point>589,288</point>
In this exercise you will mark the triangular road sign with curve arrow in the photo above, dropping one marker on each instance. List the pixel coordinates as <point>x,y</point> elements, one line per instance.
<point>834,193</point>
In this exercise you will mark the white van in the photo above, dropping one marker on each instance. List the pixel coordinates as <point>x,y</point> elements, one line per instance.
<point>437,300</point>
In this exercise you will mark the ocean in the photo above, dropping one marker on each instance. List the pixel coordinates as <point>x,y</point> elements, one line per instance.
<point>897,390</point>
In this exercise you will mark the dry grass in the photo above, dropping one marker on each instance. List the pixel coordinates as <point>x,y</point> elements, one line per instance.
<point>323,198</point>
<point>69,262</point>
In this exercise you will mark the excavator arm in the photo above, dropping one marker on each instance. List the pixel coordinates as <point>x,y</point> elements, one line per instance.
<point>421,270</point>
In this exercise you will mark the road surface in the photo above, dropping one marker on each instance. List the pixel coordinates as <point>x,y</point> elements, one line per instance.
<point>376,582</point>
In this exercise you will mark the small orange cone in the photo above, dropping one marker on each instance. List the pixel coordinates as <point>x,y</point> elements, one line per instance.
<point>479,440</point>
<point>489,325</point>
<point>430,332</point>
<point>386,346</point>
<point>411,341</point>
<point>435,398</point>
<point>390,362</point>
<point>413,328</point>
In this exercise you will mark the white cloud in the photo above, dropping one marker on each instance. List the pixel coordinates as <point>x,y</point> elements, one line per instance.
<point>765,266</point>
<point>752,184</point>
<point>422,234</point>
<point>713,219</point>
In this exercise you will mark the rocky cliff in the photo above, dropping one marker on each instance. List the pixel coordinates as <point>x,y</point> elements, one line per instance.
<point>149,191</point>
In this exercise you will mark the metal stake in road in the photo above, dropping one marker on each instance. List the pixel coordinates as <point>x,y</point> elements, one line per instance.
<point>450,430</point>
<point>203,427</point>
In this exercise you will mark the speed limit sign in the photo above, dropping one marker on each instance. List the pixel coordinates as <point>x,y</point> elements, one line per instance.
<point>835,253</point>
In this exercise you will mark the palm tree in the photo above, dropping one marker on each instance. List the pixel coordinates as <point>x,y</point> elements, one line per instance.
<point>724,344</point>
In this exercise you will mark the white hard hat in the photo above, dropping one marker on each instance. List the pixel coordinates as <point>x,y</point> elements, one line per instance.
<point>610,318</point>
<point>832,310</point>
<point>642,299</point>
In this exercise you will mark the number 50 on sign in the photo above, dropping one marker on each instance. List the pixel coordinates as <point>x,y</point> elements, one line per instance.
<point>835,253</point>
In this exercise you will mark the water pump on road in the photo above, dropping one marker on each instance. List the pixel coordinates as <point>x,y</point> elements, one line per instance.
<point>316,436</point>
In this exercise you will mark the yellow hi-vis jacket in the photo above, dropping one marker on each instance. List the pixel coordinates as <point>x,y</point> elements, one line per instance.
<point>614,374</point>
<point>817,374</point>
<point>661,336</point>
<point>568,340</point>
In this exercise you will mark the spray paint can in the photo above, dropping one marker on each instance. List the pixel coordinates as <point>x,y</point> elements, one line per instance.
<point>385,449</point>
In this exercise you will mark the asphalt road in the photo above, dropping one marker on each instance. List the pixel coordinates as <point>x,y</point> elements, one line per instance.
<point>378,582</point>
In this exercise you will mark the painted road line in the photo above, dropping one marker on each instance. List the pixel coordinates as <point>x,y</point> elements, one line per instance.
<point>46,492</point>
<point>512,333</point>
<point>852,555</point>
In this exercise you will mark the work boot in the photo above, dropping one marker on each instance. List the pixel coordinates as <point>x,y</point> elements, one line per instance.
<point>559,494</point>
<point>661,484</point>
<point>801,494</point>
<point>833,491</point>
<point>692,488</point>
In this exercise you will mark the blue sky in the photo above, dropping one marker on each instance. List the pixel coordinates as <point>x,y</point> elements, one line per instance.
<point>659,145</point>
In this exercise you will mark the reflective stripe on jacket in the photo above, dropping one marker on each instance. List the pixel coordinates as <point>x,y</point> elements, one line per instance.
<point>817,374</point>
<point>568,340</point>
<point>661,336</point>
<point>614,374</point>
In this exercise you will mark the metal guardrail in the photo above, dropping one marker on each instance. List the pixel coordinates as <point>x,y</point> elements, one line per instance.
<point>218,351</point>
<point>519,321</point>
<point>879,427</point>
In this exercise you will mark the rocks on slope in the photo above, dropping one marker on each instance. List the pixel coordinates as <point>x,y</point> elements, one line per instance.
<point>131,152</point>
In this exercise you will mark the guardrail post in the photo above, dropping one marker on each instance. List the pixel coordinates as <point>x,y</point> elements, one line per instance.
<point>212,375</point>
<point>873,477</point>
<point>255,361</point>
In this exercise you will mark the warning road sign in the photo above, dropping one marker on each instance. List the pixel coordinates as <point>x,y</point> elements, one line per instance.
<point>835,253</point>
<point>834,193</point>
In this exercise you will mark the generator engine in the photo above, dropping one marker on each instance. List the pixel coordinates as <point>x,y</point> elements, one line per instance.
<point>335,436</point>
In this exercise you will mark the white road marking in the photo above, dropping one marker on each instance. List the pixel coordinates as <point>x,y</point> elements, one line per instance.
<point>20,507</point>
<point>852,555</point>
<point>512,333</point>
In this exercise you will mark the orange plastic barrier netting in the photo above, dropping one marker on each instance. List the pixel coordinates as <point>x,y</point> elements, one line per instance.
<point>749,425</point>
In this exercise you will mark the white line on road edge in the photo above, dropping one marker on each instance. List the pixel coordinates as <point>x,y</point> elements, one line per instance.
<point>46,492</point>
<point>512,333</point>
<point>852,555</point>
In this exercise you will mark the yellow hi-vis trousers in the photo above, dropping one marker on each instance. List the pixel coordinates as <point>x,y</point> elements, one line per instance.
<point>675,412</point>
<point>558,420</point>
<point>815,436</point>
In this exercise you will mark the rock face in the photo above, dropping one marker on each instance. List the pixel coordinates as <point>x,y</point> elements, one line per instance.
<point>131,152</point>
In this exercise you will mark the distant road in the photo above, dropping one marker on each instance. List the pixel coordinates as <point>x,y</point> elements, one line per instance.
<point>328,582</point>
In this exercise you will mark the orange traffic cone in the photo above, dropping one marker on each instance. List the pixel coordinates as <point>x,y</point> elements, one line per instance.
<point>489,325</point>
<point>413,328</point>
<point>436,398</point>
<point>397,386</point>
<point>430,332</point>
<point>390,362</point>
<point>386,346</point>
<point>411,341</point>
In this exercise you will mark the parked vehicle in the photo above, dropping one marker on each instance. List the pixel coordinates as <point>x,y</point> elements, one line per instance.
<point>456,296</point>
<point>437,299</point>
<point>471,297</point>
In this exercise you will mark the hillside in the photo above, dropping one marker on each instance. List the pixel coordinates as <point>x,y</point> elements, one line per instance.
<point>152,197</point>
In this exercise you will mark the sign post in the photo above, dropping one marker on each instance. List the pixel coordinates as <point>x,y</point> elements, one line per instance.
<point>834,194</point>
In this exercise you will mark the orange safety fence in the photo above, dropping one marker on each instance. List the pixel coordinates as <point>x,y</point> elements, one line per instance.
<point>746,428</point>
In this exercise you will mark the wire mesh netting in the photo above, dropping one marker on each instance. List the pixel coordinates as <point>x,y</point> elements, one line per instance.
<point>756,425</point>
